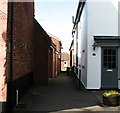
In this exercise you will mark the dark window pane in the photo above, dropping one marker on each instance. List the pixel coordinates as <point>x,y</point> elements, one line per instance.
<point>113,52</point>
<point>113,65</point>
<point>105,51</point>
<point>105,58</point>
<point>109,66</point>
<point>114,58</point>
<point>109,52</point>
<point>109,58</point>
<point>105,65</point>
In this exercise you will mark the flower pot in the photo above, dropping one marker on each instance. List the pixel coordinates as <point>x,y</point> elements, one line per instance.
<point>111,100</point>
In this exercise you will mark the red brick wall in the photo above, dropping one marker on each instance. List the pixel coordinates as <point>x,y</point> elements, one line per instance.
<point>53,64</point>
<point>22,44</point>
<point>50,58</point>
<point>57,43</point>
<point>58,54</point>
<point>58,64</point>
<point>23,38</point>
<point>41,52</point>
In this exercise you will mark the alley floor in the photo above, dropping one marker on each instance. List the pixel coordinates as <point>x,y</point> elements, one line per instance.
<point>62,95</point>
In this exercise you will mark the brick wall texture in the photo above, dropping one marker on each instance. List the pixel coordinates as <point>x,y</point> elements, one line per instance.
<point>31,46</point>
<point>57,43</point>
<point>23,38</point>
<point>50,63</point>
<point>41,53</point>
<point>22,42</point>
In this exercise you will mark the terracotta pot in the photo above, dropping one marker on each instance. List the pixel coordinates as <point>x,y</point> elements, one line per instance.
<point>111,100</point>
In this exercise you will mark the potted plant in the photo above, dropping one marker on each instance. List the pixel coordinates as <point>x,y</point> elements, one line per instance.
<point>111,98</point>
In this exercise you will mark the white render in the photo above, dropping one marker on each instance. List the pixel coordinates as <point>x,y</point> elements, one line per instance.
<point>83,38</point>
<point>97,19</point>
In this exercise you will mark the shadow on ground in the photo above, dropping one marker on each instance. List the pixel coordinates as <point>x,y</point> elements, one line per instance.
<point>60,95</point>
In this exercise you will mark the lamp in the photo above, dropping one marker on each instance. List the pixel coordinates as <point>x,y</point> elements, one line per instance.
<point>94,45</point>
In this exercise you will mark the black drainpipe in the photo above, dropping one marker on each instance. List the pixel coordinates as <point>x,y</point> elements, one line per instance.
<point>9,106</point>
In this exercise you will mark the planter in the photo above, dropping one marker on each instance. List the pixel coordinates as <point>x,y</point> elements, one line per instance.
<point>111,100</point>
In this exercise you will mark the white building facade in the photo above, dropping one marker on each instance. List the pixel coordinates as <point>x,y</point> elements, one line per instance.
<point>97,44</point>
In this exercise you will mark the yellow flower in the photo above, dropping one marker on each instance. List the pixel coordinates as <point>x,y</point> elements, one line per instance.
<point>110,93</point>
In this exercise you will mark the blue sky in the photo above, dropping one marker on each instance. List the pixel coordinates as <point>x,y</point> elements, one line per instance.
<point>56,18</point>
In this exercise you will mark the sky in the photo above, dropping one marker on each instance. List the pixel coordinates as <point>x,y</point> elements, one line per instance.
<point>55,16</point>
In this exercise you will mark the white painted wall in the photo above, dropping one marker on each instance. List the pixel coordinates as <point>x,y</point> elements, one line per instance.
<point>119,84</point>
<point>79,50</point>
<point>119,70</point>
<point>119,18</point>
<point>103,21</point>
<point>76,70</point>
<point>83,38</point>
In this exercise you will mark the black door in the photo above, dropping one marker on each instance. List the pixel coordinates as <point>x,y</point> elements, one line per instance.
<point>109,78</point>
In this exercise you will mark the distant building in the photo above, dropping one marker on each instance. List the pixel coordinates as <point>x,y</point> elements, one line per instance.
<point>65,61</point>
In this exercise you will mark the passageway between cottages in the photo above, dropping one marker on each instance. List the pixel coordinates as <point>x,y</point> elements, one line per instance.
<point>61,94</point>
<point>29,55</point>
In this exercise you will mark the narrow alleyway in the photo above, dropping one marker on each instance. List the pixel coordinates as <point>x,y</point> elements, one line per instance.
<point>60,95</point>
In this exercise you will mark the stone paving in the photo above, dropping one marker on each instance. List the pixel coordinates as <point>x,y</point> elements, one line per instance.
<point>62,95</point>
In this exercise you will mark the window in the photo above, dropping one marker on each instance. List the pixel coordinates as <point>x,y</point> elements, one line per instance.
<point>109,58</point>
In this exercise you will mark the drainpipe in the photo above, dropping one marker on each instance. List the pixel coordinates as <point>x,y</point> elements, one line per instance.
<point>9,106</point>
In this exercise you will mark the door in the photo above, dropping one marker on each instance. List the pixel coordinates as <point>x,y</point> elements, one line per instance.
<point>109,78</point>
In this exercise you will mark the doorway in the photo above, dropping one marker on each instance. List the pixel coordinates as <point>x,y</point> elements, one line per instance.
<point>109,77</point>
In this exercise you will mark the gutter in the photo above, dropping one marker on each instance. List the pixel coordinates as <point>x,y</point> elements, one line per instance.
<point>78,13</point>
<point>9,106</point>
